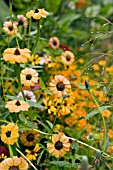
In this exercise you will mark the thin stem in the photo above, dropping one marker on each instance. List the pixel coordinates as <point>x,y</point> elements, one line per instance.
<point>80,142</point>
<point>44,133</point>
<point>10,150</point>
<point>12,23</point>
<point>19,81</point>
<point>26,158</point>
<point>103,119</point>
<point>37,37</point>
<point>30,21</point>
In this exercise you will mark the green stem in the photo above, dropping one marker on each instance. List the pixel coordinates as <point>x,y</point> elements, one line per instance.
<point>26,158</point>
<point>10,150</point>
<point>12,22</point>
<point>10,8</point>
<point>30,21</point>
<point>80,142</point>
<point>103,119</point>
<point>19,81</point>
<point>37,37</point>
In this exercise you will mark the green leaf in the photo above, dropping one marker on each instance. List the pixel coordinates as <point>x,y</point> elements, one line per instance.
<point>37,105</point>
<point>50,124</point>
<point>92,11</point>
<point>24,127</point>
<point>31,125</point>
<point>14,97</point>
<point>96,112</point>
<point>45,126</point>
<point>42,83</point>
<point>82,86</point>
<point>67,19</point>
<point>53,5</point>
<point>39,158</point>
<point>46,90</point>
<point>107,142</point>
<point>22,117</point>
<point>61,163</point>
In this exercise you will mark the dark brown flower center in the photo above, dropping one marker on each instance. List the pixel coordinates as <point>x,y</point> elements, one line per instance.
<point>17,103</point>
<point>54,43</point>
<point>30,137</point>
<point>60,86</point>
<point>13,168</point>
<point>28,97</point>
<point>10,28</point>
<point>58,145</point>
<point>36,10</point>
<point>20,22</point>
<point>68,58</point>
<point>65,104</point>
<point>8,133</point>
<point>17,52</point>
<point>28,77</point>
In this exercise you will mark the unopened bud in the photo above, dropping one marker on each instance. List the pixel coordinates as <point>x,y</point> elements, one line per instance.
<point>86,84</point>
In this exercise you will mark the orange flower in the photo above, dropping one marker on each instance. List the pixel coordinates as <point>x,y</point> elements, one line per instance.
<point>37,13</point>
<point>106,113</point>
<point>60,85</point>
<point>80,4</point>
<point>16,55</point>
<point>110,133</point>
<point>10,28</point>
<point>81,123</point>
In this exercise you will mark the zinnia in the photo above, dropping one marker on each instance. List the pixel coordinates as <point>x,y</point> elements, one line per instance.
<point>29,77</point>
<point>59,146</point>
<point>9,133</point>
<point>14,163</point>
<point>17,106</point>
<point>37,14</point>
<point>60,85</point>
<point>16,55</point>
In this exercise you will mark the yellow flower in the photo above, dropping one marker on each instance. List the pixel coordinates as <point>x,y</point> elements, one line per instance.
<point>37,13</point>
<point>59,146</point>
<point>16,55</point>
<point>96,67</point>
<point>9,133</point>
<point>35,59</point>
<point>2,157</point>
<point>14,163</point>
<point>67,58</point>
<point>102,62</point>
<point>49,62</point>
<point>31,155</point>
<point>17,105</point>
<point>30,137</point>
<point>29,77</point>
<point>54,43</point>
<point>81,61</point>
<point>59,85</point>
<point>10,28</point>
